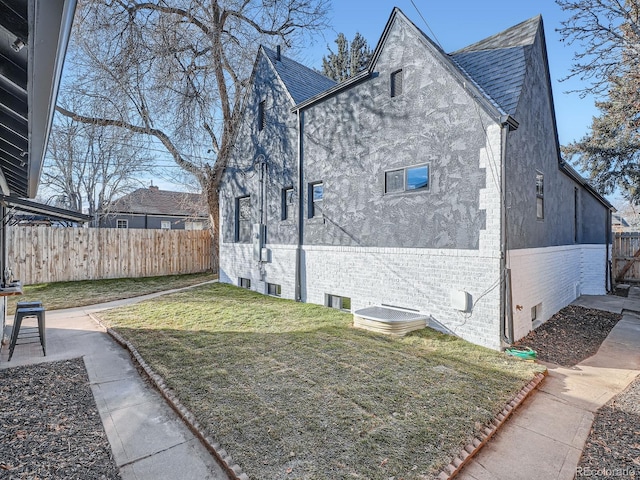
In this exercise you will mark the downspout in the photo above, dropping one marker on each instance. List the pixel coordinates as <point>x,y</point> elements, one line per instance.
<point>3,265</point>
<point>298,290</point>
<point>506,312</point>
<point>608,274</point>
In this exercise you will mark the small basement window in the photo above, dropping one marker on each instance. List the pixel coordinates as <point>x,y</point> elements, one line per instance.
<point>274,289</point>
<point>407,179</point>
<point>244,283</point>
<point>338,302</point>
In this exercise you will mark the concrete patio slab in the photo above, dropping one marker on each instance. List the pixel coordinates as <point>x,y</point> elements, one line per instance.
<point>545,437</point>
<point>148,439</point>
<point>175,462</point>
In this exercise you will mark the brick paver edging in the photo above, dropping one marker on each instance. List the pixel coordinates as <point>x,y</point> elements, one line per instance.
<point>468,452</point>
<point>224,459</point>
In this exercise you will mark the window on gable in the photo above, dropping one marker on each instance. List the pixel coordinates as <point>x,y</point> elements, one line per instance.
<point>288,203</point>
<point>243,219</point>
<point>122,223</point>
<point>396,83</point>
<point>539,196</point>
<point>316,196</point>
<point>407,179</point>
<point>262,115</point>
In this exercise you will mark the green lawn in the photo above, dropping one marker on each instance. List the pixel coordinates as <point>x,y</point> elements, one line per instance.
<point>59,295</point>
<point>291,391</point>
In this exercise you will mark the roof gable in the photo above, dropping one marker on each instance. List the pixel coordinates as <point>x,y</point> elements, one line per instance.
<point>300,81</point>
<point>486,102</point>
<point>499,63</point>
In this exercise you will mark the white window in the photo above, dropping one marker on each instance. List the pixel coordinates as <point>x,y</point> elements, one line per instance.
<point>274,289</point>
<point>193,225</point>
<point>316,194</point>
<point>288,203</point>
<point>243,219</point>
<point>539,196</point>
<point>165,225</point>
<point>337,302</point>
<point>407,179</point>
<point>120,223</point>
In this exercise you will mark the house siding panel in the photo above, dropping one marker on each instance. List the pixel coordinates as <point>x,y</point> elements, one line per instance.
<point>353,137</point>
<point>276,145</point>
<point>531,149</point>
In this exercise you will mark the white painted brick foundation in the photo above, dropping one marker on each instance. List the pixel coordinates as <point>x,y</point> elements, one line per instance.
<point>420,279</point>
<point>553,277</point>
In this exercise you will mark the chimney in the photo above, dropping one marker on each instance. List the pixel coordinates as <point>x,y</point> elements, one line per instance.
<point>278,53</point>
<point>153,188</point>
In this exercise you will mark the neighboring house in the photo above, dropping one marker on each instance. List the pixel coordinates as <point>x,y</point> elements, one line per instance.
<point>619,223</point>
<point>431,182</point>
<point>152,208</point>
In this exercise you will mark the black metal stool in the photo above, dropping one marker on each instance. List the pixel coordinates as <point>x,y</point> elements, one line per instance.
<point>26,312</point>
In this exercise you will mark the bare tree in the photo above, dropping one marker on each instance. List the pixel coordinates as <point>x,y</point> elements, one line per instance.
<point>88,166</point>
<point>607,33</point>
<point>178,71</point>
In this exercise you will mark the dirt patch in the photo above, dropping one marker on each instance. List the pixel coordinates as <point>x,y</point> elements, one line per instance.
<point>613,447</point>
<point>571,335</point>
<point>50,426</point>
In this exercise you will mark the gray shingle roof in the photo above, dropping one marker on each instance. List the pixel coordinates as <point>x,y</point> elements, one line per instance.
<point>301,82</point>
<point>498,63</point>
<point>153,201</point>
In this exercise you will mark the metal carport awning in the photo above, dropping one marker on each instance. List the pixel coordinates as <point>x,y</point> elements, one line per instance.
<point>54,213</point>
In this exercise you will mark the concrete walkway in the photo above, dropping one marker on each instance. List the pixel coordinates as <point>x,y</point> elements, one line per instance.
<point>546,435</point>
<point>148,440</point>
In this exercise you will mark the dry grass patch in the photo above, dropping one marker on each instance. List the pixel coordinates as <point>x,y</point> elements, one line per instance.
<point>291,391</point>
<point>59,295</point>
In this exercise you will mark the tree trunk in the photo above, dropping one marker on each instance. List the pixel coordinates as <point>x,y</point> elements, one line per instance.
<point>213,202</point>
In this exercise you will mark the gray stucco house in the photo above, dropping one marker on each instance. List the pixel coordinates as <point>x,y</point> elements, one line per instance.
<point>431,182</point>
<point>152,208</point>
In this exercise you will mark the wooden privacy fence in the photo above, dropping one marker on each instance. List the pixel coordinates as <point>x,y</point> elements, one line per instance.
<point>626,257</point>
<point>52,254</point>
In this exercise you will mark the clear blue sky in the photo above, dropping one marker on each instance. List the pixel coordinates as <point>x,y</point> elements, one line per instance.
<point>460,23</point>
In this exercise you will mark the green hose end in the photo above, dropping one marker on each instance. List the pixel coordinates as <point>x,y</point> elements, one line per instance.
<point>525,353</point>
